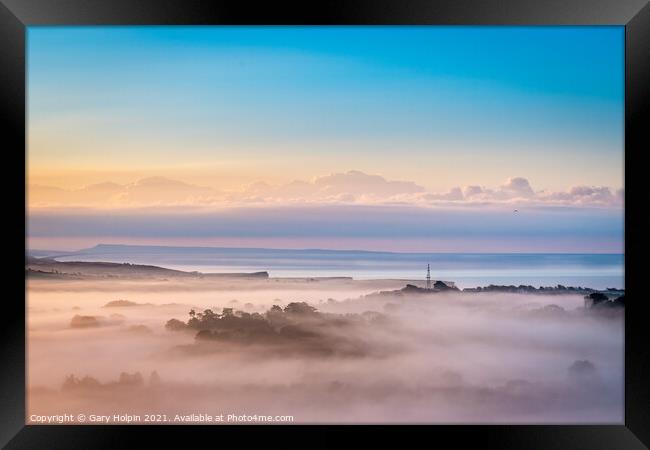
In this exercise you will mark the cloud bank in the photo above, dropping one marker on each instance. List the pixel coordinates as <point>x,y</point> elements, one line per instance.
<point>452,358</point>
<point>352,187</point>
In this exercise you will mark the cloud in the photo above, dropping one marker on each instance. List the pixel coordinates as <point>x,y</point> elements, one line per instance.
<point>453,194</point>
<point>588,195</point>
<point>352,187</point>
<point>354,358</point>
<point>147,191</point>
<point>513,188</point>
<point>359,183</point>
<point>471,191</point>
<point>163,190</point>
<point>518,187</point>
<point>518,190</point>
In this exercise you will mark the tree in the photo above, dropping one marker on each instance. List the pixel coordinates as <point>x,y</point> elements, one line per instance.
<point>299,308</point>
<point>131,379</point>
<point>175,325</point>
<point>154,379</point>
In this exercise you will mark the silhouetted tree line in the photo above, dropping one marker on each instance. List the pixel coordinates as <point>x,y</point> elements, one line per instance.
<point>297,324</point>
<point>125,379</point>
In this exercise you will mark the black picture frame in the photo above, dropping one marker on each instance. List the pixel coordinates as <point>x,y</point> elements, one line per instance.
<point>16,15</point>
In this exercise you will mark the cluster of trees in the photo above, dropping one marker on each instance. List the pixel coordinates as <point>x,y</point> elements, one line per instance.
<point>298,325</point>
<point>598,300</point>
<point>526,289</point>
<point>79,321</point>
<point>125,379</point>
<point>229,319</point>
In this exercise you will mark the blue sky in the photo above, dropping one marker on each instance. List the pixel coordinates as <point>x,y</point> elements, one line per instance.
<point>440,107</point>
<point>528,98</point>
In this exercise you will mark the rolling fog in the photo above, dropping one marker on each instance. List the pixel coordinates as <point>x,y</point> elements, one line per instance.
<point>442,358</point>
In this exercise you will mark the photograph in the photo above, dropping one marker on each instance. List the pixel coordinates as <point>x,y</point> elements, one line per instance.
<point>325,225</point>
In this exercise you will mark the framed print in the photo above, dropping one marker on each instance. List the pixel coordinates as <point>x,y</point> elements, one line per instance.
<point>252,221</point>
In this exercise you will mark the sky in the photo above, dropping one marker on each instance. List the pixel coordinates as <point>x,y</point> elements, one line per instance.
<point>277,126</point>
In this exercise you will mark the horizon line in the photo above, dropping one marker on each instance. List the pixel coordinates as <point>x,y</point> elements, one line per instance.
<point>27,250</point>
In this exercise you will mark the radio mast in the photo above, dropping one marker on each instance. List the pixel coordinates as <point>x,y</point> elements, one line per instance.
<point>428,277</point>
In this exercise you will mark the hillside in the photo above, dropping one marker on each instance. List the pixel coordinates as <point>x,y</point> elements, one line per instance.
<point>50,268</point>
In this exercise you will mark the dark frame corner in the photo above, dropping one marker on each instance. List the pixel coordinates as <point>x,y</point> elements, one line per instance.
<point>17,15</point>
